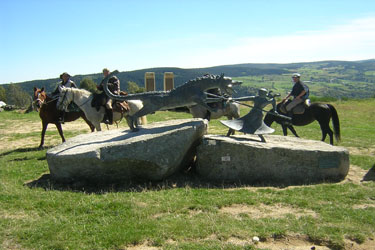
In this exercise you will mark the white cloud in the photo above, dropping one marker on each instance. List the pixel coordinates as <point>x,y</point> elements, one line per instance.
<point>351,41</point>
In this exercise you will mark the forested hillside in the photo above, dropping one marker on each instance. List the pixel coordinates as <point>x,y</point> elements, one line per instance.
<point>338,79</point>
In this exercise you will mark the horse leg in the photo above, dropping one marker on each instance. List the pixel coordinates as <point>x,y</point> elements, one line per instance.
<point>291,128</point>
<point>230,132</point>
<point>133,123</point>
<point>262,138</point>
<point>59,128</point>
<point>142,112</point>
<point>330,133</point>
<point>97,126</point>
<point>92,127</point>
<point>44,128</point>
<point>326,130</point>
<point>207,116</point>
<point>285,131</point>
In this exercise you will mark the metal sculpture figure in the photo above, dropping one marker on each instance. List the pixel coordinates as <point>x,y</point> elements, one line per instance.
<point>252,123</point>
<point>188,94</point>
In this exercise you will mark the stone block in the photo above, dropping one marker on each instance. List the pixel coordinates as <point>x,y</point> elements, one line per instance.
<point>155,152</point>
<point>281,159</point>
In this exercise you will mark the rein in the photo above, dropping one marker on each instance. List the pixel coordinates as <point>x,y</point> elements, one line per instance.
<point>79,106</point>
<point>250,106</point>
<point>50,100</point>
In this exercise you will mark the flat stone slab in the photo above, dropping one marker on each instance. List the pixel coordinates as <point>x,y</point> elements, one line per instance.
<point>153,153</point>
<point>281,159</point>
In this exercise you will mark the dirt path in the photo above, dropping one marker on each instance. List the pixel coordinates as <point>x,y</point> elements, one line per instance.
<point>31,141</point>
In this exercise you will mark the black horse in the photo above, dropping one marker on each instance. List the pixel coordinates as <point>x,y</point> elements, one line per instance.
<point>320,112</point>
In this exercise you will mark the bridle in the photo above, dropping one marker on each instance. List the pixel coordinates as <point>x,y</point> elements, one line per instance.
<point>63,100</point>
<point>39,101</point>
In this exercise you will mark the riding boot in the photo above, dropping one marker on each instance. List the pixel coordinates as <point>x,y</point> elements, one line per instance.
<point>108,116</point>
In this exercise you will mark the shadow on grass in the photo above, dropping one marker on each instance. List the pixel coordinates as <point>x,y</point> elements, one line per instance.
<point>23,150</point>
<point>183,179</point>
<point>370,176</point>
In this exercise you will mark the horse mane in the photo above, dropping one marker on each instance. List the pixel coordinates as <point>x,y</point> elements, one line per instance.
<point>207,78</point>
<point>81,91</point>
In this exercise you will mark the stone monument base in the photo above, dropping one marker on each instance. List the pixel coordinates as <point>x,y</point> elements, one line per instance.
<point>155,152</point>
<point>281,159</point>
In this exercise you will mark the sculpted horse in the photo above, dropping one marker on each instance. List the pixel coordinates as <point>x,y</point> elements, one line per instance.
<point>191,93</point>
<point>221,108</point>
<point>230,109</point>
<point>48,113</point>
<point>83,99</point>
<point>320,112</point>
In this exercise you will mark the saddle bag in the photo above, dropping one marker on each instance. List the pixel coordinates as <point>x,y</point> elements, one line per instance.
<point>121,107</point>
<point>98,100</point>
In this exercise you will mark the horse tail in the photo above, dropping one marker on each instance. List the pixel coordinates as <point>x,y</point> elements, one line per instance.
<point>335,122</point>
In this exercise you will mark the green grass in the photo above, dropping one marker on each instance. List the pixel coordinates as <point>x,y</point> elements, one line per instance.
<point>175,214</point>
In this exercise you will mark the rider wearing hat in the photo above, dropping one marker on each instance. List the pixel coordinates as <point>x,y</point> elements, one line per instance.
<point>300,93</point>
<point>114,87</point>
<point>67,83</point>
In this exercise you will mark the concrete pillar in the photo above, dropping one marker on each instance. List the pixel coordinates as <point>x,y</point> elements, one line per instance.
<point>150,81</point>
<point>168,81</point>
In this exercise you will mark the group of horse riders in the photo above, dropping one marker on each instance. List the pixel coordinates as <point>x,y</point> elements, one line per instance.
<point>300,93</point>
<point>113,86</point>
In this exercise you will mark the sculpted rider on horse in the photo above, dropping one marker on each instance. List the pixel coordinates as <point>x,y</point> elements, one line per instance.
<point>65,82</point>
<point>114,87</point>
<point>300,93</point>
<point>252,123</point>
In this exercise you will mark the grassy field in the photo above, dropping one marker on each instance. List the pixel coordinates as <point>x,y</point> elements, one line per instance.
<point>321,82</point>
<point>184,212</point>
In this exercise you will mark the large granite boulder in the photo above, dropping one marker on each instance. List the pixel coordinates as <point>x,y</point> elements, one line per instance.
<point>155,152</point>
<point>281,159</point>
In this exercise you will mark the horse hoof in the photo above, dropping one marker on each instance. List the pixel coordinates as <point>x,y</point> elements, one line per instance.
<point>135,129</point>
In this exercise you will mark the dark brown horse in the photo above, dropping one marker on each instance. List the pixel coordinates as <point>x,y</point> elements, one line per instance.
<point>49,113</point>
<point>320,112</point>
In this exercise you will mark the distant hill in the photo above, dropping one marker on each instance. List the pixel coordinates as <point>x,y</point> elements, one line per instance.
<point>352,79</point>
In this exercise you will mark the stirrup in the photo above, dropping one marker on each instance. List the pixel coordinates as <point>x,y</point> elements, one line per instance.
<point>107,122</point>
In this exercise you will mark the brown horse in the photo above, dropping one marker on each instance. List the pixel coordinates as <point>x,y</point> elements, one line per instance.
<point>321,112</point>
<point>49,113</point>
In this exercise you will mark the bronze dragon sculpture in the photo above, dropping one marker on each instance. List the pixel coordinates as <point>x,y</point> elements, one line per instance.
<point>191,93</point>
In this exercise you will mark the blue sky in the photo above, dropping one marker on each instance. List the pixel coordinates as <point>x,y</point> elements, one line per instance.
<point>39,39</point>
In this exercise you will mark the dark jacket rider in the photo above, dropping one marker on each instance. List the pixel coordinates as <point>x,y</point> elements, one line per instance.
<point>67,83</point>
<point>300,93</point>
<point>114,87</point>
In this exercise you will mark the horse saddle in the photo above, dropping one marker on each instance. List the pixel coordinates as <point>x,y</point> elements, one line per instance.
<point>100,100</point>
<point>297,110</point>
<point>120,107</point>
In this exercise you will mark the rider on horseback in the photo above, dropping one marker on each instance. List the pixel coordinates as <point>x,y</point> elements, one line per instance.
<point>67,83</point>
<point>114,87</point>
<point>300,93</point>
